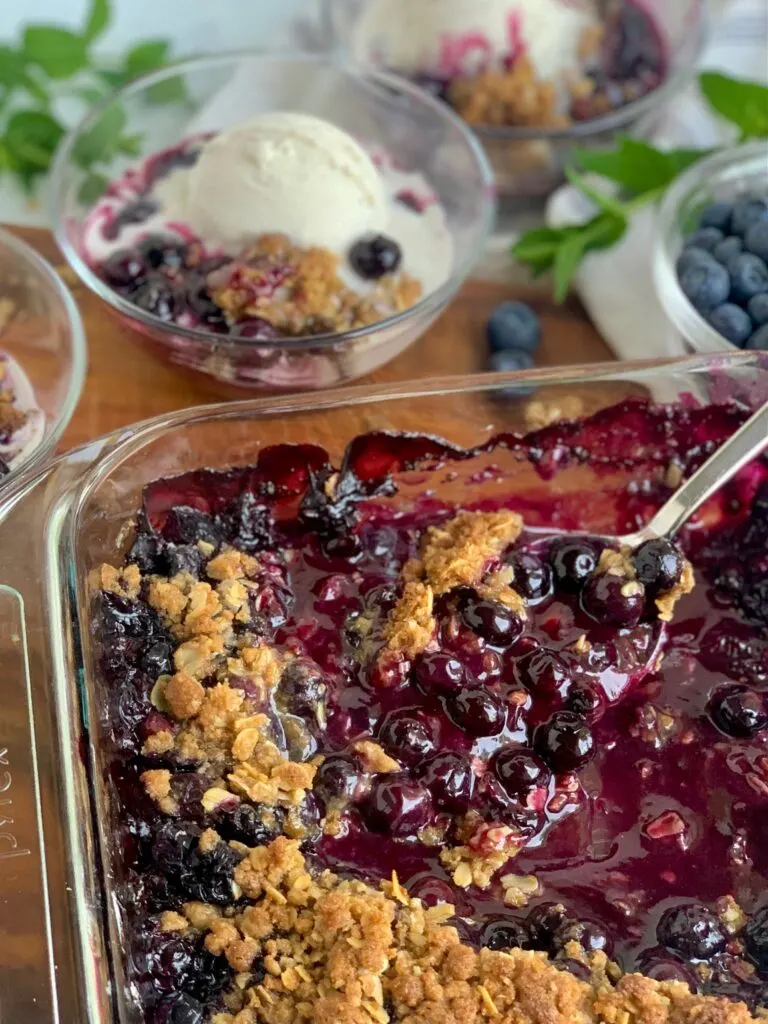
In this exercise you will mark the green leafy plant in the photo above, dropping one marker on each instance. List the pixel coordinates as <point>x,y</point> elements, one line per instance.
<point>639,175</point>
<point>49,62</point>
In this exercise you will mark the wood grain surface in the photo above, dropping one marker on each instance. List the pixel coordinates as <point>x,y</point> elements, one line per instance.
<point>125,384</point>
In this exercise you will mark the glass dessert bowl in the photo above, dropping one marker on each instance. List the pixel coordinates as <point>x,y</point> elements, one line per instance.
<point>42,358</point>
<point>534,78</point>
<point>348,646</point>
<point>293,226</point>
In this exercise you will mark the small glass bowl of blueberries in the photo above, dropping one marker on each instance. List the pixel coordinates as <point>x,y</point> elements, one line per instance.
<point>711,259</point>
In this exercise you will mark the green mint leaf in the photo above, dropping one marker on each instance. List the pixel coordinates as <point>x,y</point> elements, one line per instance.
<point>12,67</point>
<point>100,143</point>
<point>172,90</point>
<point>130,145</point>
<point>90,94</point>
<point>741,102</point>
<point>603,201</point>
<point>57,51</point>
<point>97,21</point>
<point>114,79</point>
<point>146,57</point>
<point>92,188</point>
<point>682,159</point>
<point>538,246</point>
<point>569,256</point>
<point>637,166</point>
<point>30,140</point>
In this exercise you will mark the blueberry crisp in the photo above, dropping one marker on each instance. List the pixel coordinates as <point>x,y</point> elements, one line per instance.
<point>379,757</point>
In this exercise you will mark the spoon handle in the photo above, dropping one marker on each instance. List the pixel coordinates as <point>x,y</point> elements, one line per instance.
<point>746,444</point>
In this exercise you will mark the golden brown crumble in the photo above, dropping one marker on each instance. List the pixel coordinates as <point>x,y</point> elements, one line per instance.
<point>515,97</point>
<point>299,291</point>
<point>411,625</point>
<point>157,783</point>
<point>374,758</point>
<point>125,582</point>
<point>619,563</point>
<point>666,602</point>
<point>342,952</point>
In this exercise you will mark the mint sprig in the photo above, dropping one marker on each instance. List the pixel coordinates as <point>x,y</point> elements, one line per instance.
<point>638,174</point>
<point>49,62</point>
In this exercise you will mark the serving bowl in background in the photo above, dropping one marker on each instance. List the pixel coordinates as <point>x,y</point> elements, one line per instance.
<point>43,334</point>
<point>528,163</point>
<point>382,111</point>
<point>727,176</point>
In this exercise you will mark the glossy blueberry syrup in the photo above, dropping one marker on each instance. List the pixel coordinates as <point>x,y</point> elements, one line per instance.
<point>639,794</point>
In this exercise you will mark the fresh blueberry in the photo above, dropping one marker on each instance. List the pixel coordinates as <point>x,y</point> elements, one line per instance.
<point>749,276</point>
<point>692,256</point>
<point>726,250</point>
<point>757,307</point>
<point>718,215</point>
<point>513,325</point>
<point>374,257</point>
<point>747,212</point>
<point>756,239</point>
<point>705,238</point>
<point>759,340</point>
<point>732,322</point>
<point>510,360</point>
<point>706,285</point>
<point>691,930</point>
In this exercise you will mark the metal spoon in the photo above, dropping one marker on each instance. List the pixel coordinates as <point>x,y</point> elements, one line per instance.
<point>746,444</point>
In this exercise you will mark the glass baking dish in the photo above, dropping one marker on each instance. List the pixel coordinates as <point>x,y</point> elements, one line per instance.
<point>61,958</point>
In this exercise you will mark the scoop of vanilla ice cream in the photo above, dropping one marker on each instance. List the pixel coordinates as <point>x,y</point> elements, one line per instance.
<point>452,36</point>
<point>279,172</point>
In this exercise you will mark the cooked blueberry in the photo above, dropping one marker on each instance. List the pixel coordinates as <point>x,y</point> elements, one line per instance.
<point>176,558</point>
<point>759,340</point>
<point>510,361</point>
<point>408,734</point>
<point>5,469</point>
<point>187,525</point>
<point>691,930</point>
<point>633,45</point>
<point>439,672</point>
<point>706,285</point>
<point>302,689</point>
<point>247,523</point>
<point>668,968</point>
<point>372,258</point>
<point>200,303</point>
<point>693,257</point>
<point>181,1009</point>
<point>502,933</point>
<point>565,742</point>
<point>729,247</point>
<point>157,659</point>
<point>256,329</point>
<point>163,252</point>
<point>520,771</point>
<point>705,238</point>
<point>533,577</point>
<point>739,711</point>
<point>158,297</point>
<point>659,565</point>
<point>246,824</point>
<point>209,877</point>
<point>340,779</point>
<point>757,307</point>
<point>543,924</point>
<point>124,268</point>
<point>435,86</point>
<point>732,322</point>
<point>747,212</point>
<point>613,600</point>
<point>717,215</point>
<point>172,844</point>
<point>398,805</point>
<point>544,673</point>
<point>132,213</point>
<point>590,935</point>
<point>490,619</point>
<point>513,325</point>
<point>573,561</point>
<point>477,711</point>
<point>450,780</point>
<point>749,276</point>
<point>756,239</point>
<point>756,938</point>
<point>585,700</point>
<point>577,968</point>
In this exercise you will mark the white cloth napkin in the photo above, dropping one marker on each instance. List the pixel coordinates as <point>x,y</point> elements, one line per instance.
<point>616,286</point>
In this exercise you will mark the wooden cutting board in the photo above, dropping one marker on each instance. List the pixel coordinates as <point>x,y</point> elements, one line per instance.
<point>125,384</point>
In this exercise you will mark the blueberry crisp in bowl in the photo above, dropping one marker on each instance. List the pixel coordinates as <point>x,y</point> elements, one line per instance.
<point>389,735</point>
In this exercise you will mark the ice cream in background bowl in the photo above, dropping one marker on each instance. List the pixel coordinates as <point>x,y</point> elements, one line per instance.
<point>22,421</point>
<point>532,77</point>
<point>305,224</point>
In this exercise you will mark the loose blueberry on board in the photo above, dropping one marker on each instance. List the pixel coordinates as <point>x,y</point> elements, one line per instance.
<point>705,238</point>
<point>729,247</point>
<point>739,711</point>
<point>706,285</point>
<point>374,257</point>
<point>749,277</point>
<point>573,561</point>
<point>759,340</point>
<point>691,930</point>
<point>747,212</point>
<point>510,361</point>
<point>718,215</point>
<point>757,307</point>
<point>513,325</point>
<point>756,239</point>
<point>732,322</point>
<point>565,742</point>
<point>658,565</point>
